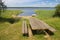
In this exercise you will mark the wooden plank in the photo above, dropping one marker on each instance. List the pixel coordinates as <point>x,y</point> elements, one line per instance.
<point>24,28</point>
<point>30,31</point>
<point>33,24</point>
<point>40,24</point>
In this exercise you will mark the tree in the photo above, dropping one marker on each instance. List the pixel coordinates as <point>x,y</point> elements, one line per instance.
<point>2,7</point>
<point>57,12</point>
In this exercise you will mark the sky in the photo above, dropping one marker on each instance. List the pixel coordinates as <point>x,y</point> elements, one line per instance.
<point>31,3</point>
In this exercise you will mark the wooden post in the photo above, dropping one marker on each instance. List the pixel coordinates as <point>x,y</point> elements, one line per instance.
<point>47,36</point>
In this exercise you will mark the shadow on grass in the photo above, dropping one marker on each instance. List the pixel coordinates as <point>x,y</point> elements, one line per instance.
<point>10,20</point>
<point>41,32</point>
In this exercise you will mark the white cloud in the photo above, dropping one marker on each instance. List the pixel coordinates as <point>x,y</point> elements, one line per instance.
<point>14,2</point>
<point>42,4</point>
<point>25,3</point>
<point>56,0</point>
<point>19,1</point>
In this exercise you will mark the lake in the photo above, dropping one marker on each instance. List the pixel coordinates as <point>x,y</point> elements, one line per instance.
<point>28,11</point>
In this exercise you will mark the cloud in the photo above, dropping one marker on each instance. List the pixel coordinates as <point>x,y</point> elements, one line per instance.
<point>13,2</point>
<point>56,0</point>
<point>41,4</point>
<point>31,3</point>
<point>19,1</point>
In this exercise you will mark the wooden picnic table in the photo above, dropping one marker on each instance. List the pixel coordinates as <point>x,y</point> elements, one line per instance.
<point>39,25</point>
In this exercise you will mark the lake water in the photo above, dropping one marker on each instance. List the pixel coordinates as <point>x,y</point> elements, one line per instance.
<point>28,11</point>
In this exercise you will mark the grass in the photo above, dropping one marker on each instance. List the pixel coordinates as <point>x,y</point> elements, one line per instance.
<point>10,31</point>
<point>13,31</point>
<point>47,16</point>
<point>10,13</point>
<point>6,17</point>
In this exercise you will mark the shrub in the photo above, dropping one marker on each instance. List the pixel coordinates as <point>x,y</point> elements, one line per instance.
<point>57,12</point>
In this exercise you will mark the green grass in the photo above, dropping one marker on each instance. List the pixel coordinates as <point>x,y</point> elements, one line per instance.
<point>9,13</point>
<point>47,16</point>
<point>13,31</point>
<point>10,31</point>
<point>6,15</point>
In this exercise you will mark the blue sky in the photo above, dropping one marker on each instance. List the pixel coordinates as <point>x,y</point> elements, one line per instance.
<point>31,3</point>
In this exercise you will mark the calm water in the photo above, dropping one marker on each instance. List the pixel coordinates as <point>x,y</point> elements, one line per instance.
<point>28,11</point>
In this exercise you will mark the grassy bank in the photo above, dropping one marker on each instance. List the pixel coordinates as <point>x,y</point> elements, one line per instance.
<point>9,13</point>
<point>10,31</point>
<point>6,17</point>
<point>47,16</point>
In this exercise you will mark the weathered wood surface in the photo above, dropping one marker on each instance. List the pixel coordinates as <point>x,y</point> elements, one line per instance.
<point>38,24</point>
<point>24,28</point>
<point>30,31</point>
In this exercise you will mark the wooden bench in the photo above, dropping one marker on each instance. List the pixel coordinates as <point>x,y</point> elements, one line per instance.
<point>24,28</point>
